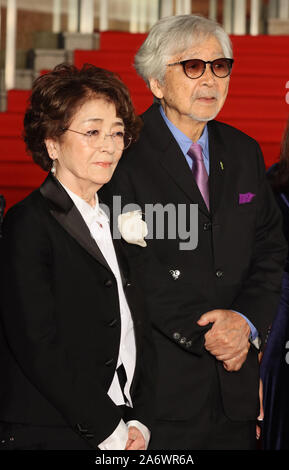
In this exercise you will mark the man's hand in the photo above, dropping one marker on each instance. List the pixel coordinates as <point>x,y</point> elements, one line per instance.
<point>228,339</point>
<point>135,439</point>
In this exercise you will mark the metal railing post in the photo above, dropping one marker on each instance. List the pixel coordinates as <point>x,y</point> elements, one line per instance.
<point>10,50</point>
<point>56,16</point>
<point>228,16</point>
<point>103,15</point>
<point>255,17</point>
<point>87,16</point>
<point>239,17</point>
<point>73,16</point>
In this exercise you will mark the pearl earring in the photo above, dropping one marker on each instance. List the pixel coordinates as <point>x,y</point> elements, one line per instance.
<point>53,169</point>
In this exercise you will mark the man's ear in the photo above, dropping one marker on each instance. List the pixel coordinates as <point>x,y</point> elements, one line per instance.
<point>156,88</point>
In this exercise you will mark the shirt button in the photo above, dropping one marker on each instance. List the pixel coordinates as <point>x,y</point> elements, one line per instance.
<point>219,273</point>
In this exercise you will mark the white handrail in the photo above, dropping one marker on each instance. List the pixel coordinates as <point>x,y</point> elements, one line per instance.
<point>133,21</point>
<point>73,14</point>
<point>56,16</point>
<point>103,15</point>
<point>10,49</point>
<point>239,17</point>
<point>255,17</point>
<point>167,8</point>
<point>228,15</point>
<point>213,9</point>
<point>87,16</point>
<point>153,12</point>
<point>283,9</point>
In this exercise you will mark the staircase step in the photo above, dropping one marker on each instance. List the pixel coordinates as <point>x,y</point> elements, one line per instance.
<point>263,45</point>
<point>265,130</point>
<point>13,149</point>
<point>17,100</point>
<point>20,175</point>
<point>256,107</point>
<point>121,41</point>
<point>14,194</point>
<point>244,85</point>
<point>256,102</point>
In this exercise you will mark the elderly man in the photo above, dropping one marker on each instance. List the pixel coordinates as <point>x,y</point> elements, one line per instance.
<point>211,303</point>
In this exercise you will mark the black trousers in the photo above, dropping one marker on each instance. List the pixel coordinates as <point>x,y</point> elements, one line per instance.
<point>187,435</point>
<point>15,436</point>
<point>208,429</point>
<point>27,437</point>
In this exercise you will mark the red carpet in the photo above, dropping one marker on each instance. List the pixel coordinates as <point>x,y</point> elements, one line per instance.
<point>256,103</point>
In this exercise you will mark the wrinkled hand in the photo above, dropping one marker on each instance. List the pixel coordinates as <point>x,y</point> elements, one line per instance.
<point>135,439</point>
<point>228,339</point>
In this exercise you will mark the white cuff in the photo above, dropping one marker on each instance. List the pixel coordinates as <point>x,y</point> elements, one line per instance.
<point>117,440</point>
<point>143,429</point>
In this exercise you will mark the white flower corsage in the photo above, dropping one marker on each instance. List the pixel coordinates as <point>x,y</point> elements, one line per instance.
<point>132,228</point>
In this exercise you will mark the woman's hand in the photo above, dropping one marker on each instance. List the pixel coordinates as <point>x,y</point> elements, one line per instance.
<point>135,439</point>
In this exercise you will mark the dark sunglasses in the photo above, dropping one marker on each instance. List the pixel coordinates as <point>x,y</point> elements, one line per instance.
<point>194,68</point>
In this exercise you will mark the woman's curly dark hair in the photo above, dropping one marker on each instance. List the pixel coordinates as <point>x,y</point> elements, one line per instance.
<point>56,97</point>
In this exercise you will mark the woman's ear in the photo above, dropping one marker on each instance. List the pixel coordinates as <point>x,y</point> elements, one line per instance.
<point>51,148</point>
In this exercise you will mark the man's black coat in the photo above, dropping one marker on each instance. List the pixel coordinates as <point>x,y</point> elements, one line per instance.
<point>236,265</point>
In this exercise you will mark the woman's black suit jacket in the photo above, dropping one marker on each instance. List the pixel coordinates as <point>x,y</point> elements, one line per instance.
<point>61,321</point>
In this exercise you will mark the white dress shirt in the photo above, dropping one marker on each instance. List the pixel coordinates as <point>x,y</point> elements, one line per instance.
<point>98,224</point>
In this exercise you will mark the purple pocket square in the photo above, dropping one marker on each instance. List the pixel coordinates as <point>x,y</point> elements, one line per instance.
<point>246,197</point>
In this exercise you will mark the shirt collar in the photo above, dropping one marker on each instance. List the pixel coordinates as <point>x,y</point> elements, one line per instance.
<point>90,214</point>
<point>184,141</point>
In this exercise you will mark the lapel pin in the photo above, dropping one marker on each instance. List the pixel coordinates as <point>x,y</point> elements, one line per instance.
<point>175,273</point>
<point>222,165</point>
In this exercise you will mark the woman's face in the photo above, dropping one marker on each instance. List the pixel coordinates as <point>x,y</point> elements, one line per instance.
<point>81,162</point>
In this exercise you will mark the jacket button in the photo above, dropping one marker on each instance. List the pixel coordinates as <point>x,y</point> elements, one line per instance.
<point>188,344</point>
<point>108,283</point>
<point>109,362</point>
<point>183,340</point>
<point>83,428</point>
<point>176,336</point>
<point>207,226</point>
<point>219,273</point>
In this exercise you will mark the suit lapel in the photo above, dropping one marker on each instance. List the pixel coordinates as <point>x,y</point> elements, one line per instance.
<point>219,165</point>
<point>64,211</point>
<point>171,157</point>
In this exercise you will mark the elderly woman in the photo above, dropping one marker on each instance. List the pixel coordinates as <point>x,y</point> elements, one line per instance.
<point>75,354</point>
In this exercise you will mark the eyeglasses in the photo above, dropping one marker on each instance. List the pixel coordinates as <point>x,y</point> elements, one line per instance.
<point>121,139</point>
<point>195,68</point>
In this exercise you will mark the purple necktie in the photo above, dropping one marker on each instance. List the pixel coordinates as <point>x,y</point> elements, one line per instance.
<point>199,171</point>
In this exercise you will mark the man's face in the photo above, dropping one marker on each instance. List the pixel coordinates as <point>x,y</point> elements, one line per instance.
<point>199,99</point>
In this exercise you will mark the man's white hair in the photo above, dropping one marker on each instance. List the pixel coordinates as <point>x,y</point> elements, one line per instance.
<point>173,35</point>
